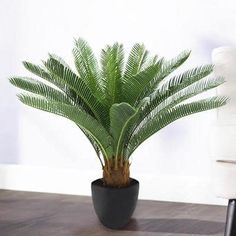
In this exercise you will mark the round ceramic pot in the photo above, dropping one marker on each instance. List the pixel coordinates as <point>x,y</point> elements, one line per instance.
<point>114,206</point>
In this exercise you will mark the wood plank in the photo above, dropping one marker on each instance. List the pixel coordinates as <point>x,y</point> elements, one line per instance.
<point>42,214</point>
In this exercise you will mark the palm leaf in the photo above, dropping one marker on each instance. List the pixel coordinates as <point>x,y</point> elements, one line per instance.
<point>87,66</point>
<point>166,69</point>
<point>171,101</point>
<point>94,143</point>
<point>118,106</point>
<point>176,84</point>
<point>120,115</point>
<point>189,92</point>
<point>169,115</point>
<point>64,74</point>
<point>134,86</point>
<point>136,60</point>
<point>112,58</point>
<point>37,87</point>
<point>44,74</point>
<point>84,120</point>
<point>38,70</point>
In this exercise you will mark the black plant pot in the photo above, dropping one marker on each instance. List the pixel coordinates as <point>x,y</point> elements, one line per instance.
<point>114,206</point>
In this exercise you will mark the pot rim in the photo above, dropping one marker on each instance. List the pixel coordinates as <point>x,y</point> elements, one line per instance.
<point>99,183</point>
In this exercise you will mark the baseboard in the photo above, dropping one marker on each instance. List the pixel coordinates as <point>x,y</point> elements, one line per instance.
<point>72,181</point>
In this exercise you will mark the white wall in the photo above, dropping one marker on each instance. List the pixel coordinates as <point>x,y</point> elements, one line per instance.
<point>30,29</point>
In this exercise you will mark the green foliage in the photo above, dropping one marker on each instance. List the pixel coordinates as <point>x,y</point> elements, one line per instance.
<point>87,66</point>
<point>112,58</point>
<point>81,118</point>
<point>118,105</point>
<point>120,115</point>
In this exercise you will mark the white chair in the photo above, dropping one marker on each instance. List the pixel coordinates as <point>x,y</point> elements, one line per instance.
<point>225,187</point>
<point>224,176</point>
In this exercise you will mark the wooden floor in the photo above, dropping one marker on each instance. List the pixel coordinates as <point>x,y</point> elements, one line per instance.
<point>40,214</point>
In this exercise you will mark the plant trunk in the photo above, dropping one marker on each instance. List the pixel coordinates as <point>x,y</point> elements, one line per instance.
<point>116,174</point>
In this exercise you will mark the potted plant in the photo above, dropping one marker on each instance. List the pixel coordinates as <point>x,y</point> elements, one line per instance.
<point>117,105</point>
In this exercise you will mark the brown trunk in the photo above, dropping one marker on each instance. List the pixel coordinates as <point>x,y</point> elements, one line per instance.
<point>116,175</point>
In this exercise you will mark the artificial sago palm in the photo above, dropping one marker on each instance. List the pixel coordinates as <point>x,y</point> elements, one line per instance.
<point>118,104</point>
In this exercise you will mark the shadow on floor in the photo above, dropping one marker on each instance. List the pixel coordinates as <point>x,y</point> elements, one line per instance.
<point>181,226</point>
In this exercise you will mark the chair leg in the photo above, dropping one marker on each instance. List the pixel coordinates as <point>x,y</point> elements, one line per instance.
<point>230,228</point>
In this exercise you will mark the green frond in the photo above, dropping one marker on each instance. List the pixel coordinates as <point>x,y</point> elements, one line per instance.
<point>134,86</point>
<point>187,78</point>
<point>82,119</point>
<point>151,60</point>
<point>189,92</point>
<point>94,144</point>
<point>44,74</point>
<point>136,60</point>
<point>116,105</point>
<point>65,75</point>
<point>112,59</point>
<point>37,87</point>
<point>175,63</point>
<point>148,112</point>
<point>178,83</point>
<point>167,67</point>
<point>37,70</point>
<point>169,115</point>
<point>87,66</point>
<point>120,115</point>
<point>61,60</point>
